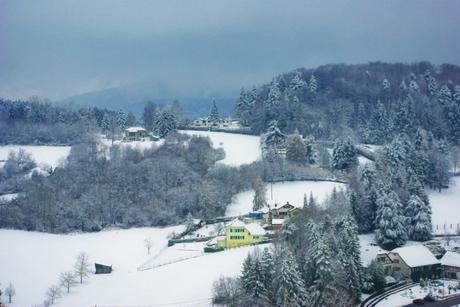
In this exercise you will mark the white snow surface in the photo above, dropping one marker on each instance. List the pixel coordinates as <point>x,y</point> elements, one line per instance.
<point>239,148</point>
<point>416,255</point>
<point>48,155</point>
<point>32,261</point>
<point>445,207</point>
<point>289,191</point>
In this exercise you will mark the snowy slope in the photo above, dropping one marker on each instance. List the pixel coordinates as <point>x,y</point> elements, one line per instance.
<point>291,191</point>
<point>446,207</point>
<point>185,283</point>
<point>32,261</point>
<point>180,283</point>
<point>49,155</point>
<point>239,148</point>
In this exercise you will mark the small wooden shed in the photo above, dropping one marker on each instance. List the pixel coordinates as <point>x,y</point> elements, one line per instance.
<point>103,269</point>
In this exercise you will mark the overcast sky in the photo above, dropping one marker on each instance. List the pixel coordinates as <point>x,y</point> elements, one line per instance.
<point>60,48</point>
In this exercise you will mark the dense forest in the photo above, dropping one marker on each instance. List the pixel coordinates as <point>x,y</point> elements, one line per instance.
<point>371,102</point>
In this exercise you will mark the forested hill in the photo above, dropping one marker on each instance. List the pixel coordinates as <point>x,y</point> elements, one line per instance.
<point>372,101</point>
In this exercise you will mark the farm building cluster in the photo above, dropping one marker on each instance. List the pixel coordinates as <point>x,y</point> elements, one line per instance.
<point>221,123</point>
<point>138,134</point>
<point>255,228</point>
<point>416,262</point>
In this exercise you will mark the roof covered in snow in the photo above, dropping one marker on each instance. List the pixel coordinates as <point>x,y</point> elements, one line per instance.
<point>451,259</point>
<point>135,129</point>
<point>416,255</point>
<point>237,223</point>
<point>253,228</point>
<point>277,221</point>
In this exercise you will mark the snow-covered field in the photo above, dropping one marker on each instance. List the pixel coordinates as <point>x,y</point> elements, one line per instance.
<point>32,261</point>
<point>239,148</point>
<point>47,155</point>
<point>290,191</point>
<point>446,207</point>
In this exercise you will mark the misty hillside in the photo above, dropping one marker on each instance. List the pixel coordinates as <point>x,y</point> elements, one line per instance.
<point>132,98</point>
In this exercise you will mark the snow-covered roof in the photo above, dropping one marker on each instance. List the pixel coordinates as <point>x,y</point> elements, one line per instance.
<point>416,255</point>
<point>237,223</point>
<point>135,129</point>
<point>451,259</point>
<point>277,221</point>
<point>253,228</point>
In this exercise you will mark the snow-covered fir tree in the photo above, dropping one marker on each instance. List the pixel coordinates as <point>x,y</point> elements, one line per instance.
<point>297,82</point>
<point>418,219</point>
<point>274,137</point>
<point>164,123</point>
<point>320,266</point>
<point>344,154</point>
<point>350,254</point>
<point>288,283</point>
<point>214,117</point>
<point>295,149</point>
<point>274,94</point>
<point>313,84</point>
<point>390,227</point>
<point>444,95</point>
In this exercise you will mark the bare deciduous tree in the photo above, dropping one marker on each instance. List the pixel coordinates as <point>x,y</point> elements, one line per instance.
<point>67,279</point>
<point>82,266</point>
<point>53,293</point>
<point>10,291</point>
<point>148,243</point>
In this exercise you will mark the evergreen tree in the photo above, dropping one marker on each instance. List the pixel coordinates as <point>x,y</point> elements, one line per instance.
<point>267,266</point>
<point>214,117</point>
<point>295,149</point>
<point>350,255</point>
<point>274,137</point>
<point>274,94</point>
<point>445,95</point>
<point>297,82</point>
<point>418,218</point>
<point>165,122</point>
<point>390,232</point>
<point>320,265</point>
<point>379,125</point>
<point>377,273</point>
<point>288,283</point>
<point>313,84</point>
<point>344,154</point>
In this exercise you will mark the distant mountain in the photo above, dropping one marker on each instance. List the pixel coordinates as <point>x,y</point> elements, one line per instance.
<point>133,98</point>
